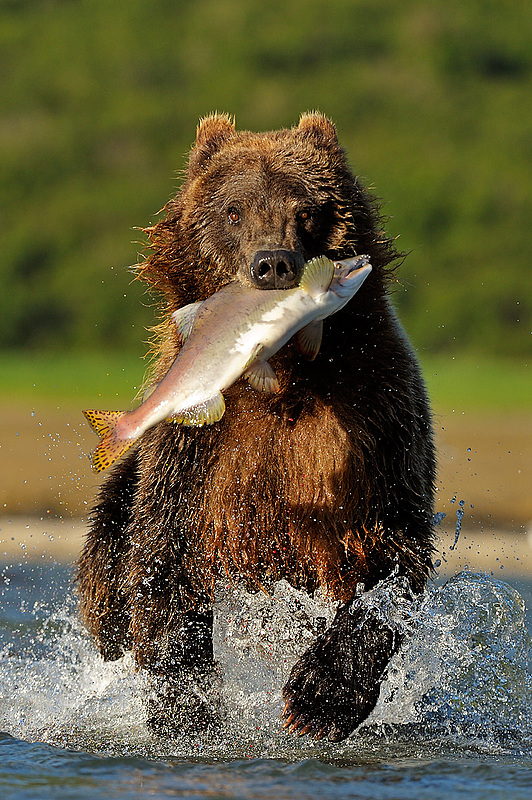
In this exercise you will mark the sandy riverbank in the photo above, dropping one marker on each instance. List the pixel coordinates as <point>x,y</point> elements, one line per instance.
<point>484,460</point>
<point>499,552</point>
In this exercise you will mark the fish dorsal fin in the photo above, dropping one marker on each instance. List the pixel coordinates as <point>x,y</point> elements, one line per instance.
<point>309,339</point>
<point>262,377</point>
<point>317,275</point>
<point>212,410</point>
<point>184,320</point>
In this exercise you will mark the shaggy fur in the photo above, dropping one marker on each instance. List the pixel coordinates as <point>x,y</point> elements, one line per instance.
<point>327,484</point>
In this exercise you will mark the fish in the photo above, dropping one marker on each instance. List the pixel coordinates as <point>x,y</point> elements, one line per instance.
<point>231,334</point>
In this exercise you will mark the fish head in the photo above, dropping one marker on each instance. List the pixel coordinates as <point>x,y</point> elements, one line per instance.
<point>349,275</point>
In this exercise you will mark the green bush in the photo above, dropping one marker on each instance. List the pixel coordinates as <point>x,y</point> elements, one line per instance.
<point>99,105</point>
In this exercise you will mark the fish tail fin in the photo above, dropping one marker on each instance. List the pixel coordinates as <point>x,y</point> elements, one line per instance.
<point>103,422</point>
<point>110,447</point>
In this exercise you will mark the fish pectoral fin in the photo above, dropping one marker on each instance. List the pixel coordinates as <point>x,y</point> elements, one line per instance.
<point>184,319</point>
<point>253,356</point>
<point>309,339</point>
<point>262,377</point>
<point>110,447</point>
<point>317,276</point>
<point>212,410</point>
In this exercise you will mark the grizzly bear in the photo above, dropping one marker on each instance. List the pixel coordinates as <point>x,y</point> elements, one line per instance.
<point>327,484</point>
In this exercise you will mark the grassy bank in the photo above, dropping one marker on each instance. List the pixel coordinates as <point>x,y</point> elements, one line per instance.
<point>70,377</point>
<point>455,383</point>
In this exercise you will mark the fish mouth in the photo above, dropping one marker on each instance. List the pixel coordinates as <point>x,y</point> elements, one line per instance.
<point>349,265</point>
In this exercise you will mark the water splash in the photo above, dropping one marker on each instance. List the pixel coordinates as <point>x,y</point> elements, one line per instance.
<point>463,672</point>
<point>57,689</point>
<point>391,601</point>
<point>459,517</point>
<point>257,639</point>
<point>466,669</point>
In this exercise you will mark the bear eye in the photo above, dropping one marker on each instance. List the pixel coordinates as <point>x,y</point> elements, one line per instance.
<point>233,215</point>
<point>304,215</point>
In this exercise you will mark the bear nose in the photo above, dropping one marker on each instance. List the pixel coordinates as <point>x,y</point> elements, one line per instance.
<point>276,269</point>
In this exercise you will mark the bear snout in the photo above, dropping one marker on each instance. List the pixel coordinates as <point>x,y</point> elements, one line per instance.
<point>276,269</point>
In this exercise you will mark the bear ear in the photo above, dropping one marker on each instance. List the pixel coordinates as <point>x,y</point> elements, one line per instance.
<point>316,126</point>
<point>211,133</point>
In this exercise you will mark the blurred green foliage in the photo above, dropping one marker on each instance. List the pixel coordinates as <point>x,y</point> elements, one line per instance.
<point>98,106</point>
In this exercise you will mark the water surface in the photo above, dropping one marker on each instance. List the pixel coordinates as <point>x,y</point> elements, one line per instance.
<point>453,720</point>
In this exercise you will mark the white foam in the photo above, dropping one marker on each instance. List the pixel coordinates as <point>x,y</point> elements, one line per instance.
<point>464,667</point>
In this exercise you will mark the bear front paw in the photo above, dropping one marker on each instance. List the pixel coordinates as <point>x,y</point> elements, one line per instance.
<point>335,685</point>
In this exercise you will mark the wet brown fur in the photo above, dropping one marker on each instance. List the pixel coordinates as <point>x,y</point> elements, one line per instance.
<point>327,484</point>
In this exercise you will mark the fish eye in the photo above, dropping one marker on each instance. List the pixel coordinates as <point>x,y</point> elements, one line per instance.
<point>233,215</point>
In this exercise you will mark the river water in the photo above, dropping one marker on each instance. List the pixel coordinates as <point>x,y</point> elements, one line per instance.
<point>454,719</point>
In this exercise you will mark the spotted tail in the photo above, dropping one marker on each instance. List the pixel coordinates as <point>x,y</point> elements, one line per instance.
<point>110,447</point>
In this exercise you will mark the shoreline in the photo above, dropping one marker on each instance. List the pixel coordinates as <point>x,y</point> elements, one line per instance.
<point>502,553</point>
<point>31,537</point>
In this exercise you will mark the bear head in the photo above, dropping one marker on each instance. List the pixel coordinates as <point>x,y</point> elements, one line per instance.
<point>256,206</point>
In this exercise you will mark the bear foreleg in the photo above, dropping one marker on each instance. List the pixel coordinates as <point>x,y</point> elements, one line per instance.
<point>184,695</point>
<point>335,685</point>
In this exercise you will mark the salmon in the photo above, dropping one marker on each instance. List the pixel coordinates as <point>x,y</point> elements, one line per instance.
<point>231,334</point>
